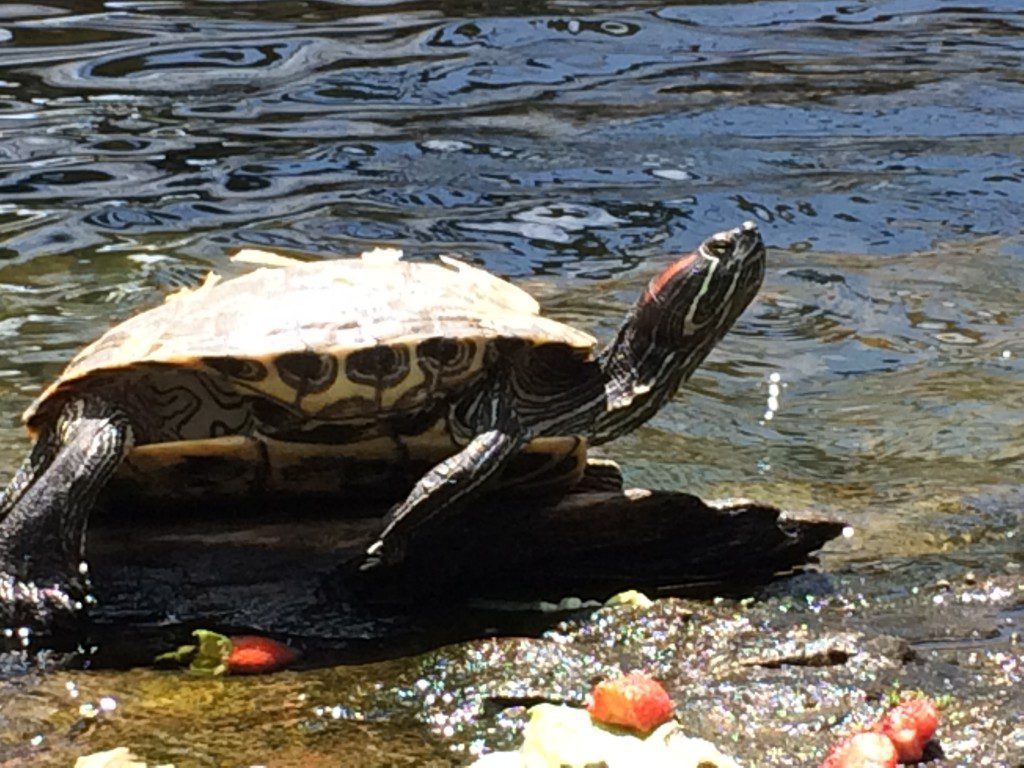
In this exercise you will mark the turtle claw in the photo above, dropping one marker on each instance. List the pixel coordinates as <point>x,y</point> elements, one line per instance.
<point>45,609</point>
<point>369,563</point>
<point>377,565</point>
<point>387,551</point>
<point>373,559</point>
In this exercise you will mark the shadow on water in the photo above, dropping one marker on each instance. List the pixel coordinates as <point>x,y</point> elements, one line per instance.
<point>572,147</point>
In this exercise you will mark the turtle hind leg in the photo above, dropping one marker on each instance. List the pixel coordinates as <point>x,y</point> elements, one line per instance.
<point>45,448</point>
<point>42,537</point>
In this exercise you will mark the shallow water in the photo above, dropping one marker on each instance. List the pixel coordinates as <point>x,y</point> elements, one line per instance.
<point>572,146</point>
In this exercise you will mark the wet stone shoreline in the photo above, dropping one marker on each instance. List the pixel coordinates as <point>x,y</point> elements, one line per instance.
<point>772,679</point>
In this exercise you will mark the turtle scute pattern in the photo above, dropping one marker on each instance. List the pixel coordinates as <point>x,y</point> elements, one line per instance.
<point>372,341</point>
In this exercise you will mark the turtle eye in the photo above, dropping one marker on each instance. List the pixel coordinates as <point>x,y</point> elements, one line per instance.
<point>718,248</point>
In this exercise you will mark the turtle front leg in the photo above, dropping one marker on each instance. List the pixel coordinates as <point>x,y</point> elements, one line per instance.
<point>439,492</point>
<point>42,537</point>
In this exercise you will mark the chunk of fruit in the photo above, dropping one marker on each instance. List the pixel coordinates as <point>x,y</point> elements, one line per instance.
<point>252,655</point>
<point>910,725</point>
<point>636,701</point>
<point>862,750</point>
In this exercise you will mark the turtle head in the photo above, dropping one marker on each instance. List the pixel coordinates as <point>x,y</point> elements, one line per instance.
<point>699,296</point>
<point>675,323</point>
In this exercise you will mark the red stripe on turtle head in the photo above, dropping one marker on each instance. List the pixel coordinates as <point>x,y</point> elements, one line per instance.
<point>659,282</point>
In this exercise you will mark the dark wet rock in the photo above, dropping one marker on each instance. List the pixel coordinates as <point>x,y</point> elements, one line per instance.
<point>277,572</point>
<point>599,543</point>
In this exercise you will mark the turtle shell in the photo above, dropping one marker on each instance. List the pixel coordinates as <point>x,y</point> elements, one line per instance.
<point>365,353</point>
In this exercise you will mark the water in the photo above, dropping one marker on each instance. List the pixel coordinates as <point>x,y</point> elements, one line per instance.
<point>572,146</point>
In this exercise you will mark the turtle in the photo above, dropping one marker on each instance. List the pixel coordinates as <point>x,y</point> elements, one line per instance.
<point>436,364</point>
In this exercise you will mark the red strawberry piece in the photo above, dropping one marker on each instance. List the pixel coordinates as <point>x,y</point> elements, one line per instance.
<point>862,750</point>
<point>636,701</point>
<point>252,655</point>
<point>910,725</point>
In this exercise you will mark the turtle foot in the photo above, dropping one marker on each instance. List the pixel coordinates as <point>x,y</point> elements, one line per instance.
<point>48,609</point>
<point>367,573</point>
<point>367,564</point>
<point>386,552</point>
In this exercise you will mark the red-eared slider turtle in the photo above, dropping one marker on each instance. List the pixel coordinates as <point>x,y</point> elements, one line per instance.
<point>440,361</point>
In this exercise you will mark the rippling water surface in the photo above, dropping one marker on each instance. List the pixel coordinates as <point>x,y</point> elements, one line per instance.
<point>571,146</point>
